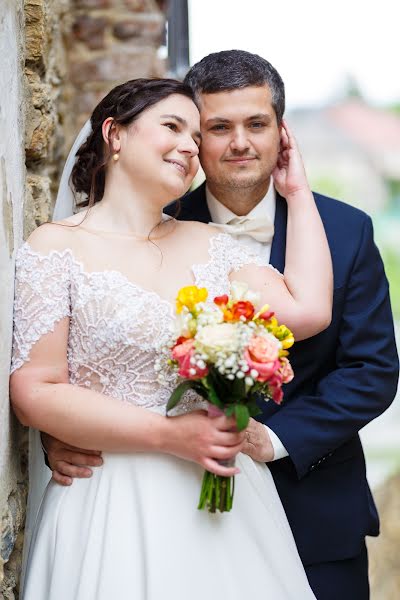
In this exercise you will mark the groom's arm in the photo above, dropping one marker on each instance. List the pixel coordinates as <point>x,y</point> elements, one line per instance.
<point>364,383</point>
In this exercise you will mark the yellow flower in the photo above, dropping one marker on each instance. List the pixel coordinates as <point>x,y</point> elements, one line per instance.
<point>285,336</point>
<point>189,296</point>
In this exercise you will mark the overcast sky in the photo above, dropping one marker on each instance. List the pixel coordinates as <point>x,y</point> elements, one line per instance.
<point>314,44</point>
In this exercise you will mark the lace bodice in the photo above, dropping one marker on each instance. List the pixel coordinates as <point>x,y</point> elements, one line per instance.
<point>116,328</point>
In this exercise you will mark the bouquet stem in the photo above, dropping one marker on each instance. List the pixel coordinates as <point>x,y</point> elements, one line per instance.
<point>217,491</point>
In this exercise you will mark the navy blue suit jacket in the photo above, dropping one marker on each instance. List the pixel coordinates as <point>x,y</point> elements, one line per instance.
<point>344,377</point>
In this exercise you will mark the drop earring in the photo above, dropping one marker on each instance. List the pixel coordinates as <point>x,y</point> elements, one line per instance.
<point>115,156</point>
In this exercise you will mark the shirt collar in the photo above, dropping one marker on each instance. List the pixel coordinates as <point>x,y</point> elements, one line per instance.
<point>222,214</point>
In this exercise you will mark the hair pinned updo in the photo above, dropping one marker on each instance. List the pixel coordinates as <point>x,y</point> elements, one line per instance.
<point>124,104</point>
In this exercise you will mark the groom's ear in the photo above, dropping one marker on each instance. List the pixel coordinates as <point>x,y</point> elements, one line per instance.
<point>110,131</point>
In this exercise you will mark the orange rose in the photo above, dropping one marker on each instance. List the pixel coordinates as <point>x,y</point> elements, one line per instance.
<point>243,308</point>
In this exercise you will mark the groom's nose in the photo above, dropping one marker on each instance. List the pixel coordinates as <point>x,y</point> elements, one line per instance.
<point>239,141</point>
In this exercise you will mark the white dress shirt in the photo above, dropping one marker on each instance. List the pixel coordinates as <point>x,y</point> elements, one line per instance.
<point>221,214</point>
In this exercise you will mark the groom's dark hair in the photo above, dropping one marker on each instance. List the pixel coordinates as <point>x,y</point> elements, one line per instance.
<point>235,69</point>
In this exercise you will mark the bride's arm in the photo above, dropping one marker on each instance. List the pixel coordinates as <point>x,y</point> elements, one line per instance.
<point>302,299</point>
<point>43,399</point>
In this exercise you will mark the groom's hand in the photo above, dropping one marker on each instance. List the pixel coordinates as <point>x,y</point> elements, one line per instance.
<point>257,443</point>
<point>68,462</point>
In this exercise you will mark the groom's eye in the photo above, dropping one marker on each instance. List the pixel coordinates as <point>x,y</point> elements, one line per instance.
<point>219,127</point>
<point>257,125</point>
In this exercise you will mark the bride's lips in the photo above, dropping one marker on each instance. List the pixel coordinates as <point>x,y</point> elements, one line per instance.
<point>179,165</point>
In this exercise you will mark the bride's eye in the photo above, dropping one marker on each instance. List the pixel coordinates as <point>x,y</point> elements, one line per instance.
<point>172,126</point>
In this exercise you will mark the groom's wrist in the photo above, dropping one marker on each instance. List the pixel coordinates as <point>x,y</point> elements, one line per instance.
<point>278,448</point>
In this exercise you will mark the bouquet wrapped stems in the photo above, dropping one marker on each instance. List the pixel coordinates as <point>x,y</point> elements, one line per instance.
<point>216,490</point>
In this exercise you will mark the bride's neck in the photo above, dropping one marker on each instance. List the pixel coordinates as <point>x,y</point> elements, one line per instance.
<point>125,210</point>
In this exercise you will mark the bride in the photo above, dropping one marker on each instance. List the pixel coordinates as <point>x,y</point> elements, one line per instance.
<point>93,306</point>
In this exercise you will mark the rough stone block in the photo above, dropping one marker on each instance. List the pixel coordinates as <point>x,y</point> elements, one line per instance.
<point>149,26</point>
<point>36,33</point>
<point>38,202</point>
<point>92,3</point>
<point>117,65</point>
<point>90,31</point>
<point>141,5</point>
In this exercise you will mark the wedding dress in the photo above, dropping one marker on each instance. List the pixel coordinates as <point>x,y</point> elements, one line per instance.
<point>132,531</point>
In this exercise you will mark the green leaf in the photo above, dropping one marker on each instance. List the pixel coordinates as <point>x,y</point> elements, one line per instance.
<point>212,394</point>
<point>242,416</point>
<point>178,392</point>
<point>230,410</point>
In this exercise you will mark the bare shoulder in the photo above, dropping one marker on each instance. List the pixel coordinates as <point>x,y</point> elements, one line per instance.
<point>58,236</point>
<point>198,231</point>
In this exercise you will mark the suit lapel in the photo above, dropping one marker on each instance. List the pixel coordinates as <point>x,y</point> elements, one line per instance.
<point>278,248</point>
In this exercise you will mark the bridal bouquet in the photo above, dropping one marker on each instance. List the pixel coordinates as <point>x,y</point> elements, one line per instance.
<point>230,354</point>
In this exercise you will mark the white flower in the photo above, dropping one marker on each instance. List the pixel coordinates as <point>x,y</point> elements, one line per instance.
<point>238,290</point>
<point>216,339</point>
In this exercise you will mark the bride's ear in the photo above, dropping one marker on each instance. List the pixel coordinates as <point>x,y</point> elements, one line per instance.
<point>110,131</point>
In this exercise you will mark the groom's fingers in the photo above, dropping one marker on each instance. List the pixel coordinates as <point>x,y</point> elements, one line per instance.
<point>74,471</point>
<point>62,479</point>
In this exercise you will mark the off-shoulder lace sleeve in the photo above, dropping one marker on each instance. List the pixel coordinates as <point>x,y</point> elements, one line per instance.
<point>42,298</point>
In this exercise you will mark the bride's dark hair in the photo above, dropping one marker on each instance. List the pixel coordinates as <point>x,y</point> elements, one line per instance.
<point>124,104</point>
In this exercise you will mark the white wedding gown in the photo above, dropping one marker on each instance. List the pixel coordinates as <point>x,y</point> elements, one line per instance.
<point>132,531</point>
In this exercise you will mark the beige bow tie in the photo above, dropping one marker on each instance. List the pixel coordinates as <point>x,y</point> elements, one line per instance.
<point>261,229</point>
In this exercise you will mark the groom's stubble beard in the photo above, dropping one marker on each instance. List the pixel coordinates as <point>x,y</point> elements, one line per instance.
<point>240,195</point>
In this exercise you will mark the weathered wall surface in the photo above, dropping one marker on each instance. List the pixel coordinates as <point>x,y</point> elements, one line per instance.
<point>46,26</point>
<point>12,179</point>
<point>110,41</point>
<point>58,58</point>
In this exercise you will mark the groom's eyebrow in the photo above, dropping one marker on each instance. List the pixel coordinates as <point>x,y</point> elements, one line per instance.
<point>183,122</point>
<point>258,116</point>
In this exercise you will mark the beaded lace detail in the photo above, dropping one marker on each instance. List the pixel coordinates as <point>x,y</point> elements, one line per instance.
<point>114,337</point>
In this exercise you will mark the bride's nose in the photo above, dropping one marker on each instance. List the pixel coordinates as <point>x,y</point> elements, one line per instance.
<point>187,145</point>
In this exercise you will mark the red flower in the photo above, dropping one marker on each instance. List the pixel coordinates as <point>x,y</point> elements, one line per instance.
<point>221,300</point>
<point>275,388</point>
<point>243,308</point>
<point>267,315</point>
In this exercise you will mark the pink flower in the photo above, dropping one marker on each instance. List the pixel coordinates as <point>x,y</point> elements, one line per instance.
<point>182,353</point>
<point>286,370</point>
<point>262,355</point>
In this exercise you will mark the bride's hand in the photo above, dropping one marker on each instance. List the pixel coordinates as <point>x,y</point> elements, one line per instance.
<point>289,174</point>
<point>204,440</point>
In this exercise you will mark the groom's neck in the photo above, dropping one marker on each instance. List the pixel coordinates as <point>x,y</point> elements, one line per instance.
<point>238,199</point>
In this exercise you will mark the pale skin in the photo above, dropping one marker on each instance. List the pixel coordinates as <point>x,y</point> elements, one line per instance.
<point>65,412</point>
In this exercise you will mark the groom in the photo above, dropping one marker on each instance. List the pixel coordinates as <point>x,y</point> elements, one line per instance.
<point>346,376</point>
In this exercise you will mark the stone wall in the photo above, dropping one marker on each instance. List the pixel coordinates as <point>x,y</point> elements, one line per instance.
<point>12,177</point>
<point>110,41</point>
<point>59,57</point>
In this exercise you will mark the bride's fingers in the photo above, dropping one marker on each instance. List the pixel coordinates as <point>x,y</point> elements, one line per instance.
<point>224,423</point>
<point>224,452</point>
<point>292,143</point>
<point>210,464</point>
<point>227,438</point>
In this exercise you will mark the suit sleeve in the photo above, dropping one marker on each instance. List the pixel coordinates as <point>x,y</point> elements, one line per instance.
<point>363,385</point>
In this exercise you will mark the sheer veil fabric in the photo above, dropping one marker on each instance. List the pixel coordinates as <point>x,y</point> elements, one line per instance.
<point>39,474</point>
